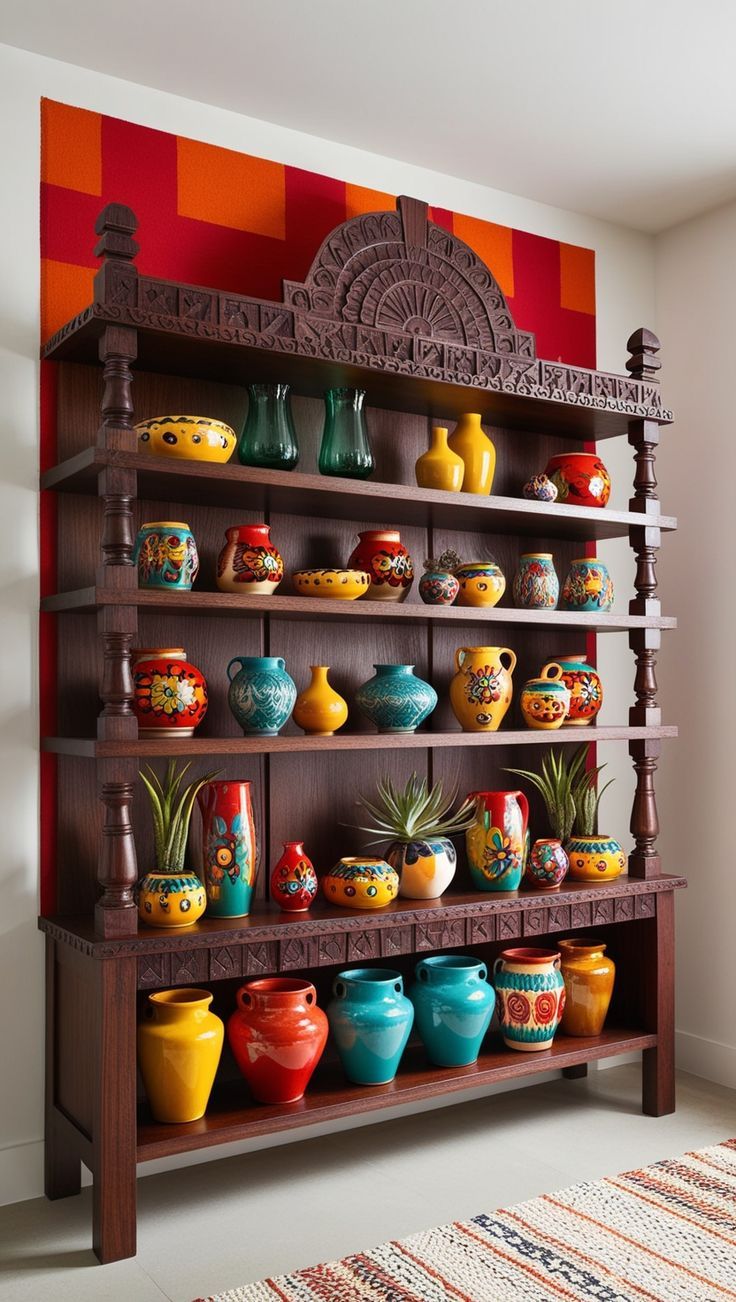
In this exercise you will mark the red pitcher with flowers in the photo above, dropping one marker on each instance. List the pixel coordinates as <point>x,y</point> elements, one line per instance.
<point>497,842</point>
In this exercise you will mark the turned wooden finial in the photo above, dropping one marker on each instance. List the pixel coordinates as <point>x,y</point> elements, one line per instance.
<point>643,363</point>
<point>116,226</point>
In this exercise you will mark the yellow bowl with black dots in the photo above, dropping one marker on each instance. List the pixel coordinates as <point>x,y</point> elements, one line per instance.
<point>188,438</point>
<point>343,585</point>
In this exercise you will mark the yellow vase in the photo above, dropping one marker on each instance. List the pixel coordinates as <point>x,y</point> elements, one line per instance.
<point>179,1048</point>
<point>480,692</point>
<point>440,467</point>
<point>589,975</point>
<point>471,443</point>
<point>320,710</point>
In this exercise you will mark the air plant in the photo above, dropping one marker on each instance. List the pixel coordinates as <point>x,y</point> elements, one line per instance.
<point>171,811</point>
<point>559,782</point>
<point>587,798</point>
<point>418,813</point>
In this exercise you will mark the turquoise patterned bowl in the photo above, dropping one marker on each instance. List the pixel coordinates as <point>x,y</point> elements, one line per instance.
<point>395,700</point>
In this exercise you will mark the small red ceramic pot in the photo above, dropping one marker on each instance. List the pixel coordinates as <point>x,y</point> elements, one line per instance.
<point>547,865</point>
<point>170,693</point>
<point>381,553</point>
<point>277,1036</point>
<point>249,563</point>
<point>581,479</point>
<point>293,881</point>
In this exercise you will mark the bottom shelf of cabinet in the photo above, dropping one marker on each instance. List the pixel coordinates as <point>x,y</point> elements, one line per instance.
<point>230,1118</point>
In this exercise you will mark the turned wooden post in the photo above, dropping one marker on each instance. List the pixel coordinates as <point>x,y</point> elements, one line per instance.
<point>115,913</point>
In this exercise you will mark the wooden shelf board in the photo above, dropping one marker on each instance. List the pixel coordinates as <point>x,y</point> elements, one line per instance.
<point>150,748</point>
<point>231,1116</point>
<point>282,492</point>
<point>289,607</point>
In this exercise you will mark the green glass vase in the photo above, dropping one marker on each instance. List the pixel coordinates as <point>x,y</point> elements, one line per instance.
<point>345,448</point>
<point>268,437</point>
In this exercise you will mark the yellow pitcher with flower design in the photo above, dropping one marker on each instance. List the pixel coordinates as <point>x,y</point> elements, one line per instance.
<point>480,692</point>
<point>497,843</point>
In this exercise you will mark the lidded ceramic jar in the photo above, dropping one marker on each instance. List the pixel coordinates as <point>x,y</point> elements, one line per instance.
<point>453,1007</point>
<point>589,976</point>
<point>381,553</point>
<point>536,585</point>
<point>481,690</point>
<point>261,694</point>
<point>179,1047</point>
<point>166,556</point>
<point>170,694</point>
<point>585,687</point>
<point>545,701</point>
<point>395,700</point>
<point>294,883</point>
<point>531,997</point>
<point>249,564</point>
<point>370,1020</point>
<point>277,1035</point>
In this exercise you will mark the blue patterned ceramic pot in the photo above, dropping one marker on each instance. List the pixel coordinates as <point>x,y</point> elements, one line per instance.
<point>395,700</point>
<point>453,1007</point>
<point>166,556</point>
<point>438,588</point>
<point>370,1019</point>
<point>588,586</point>
<point>530,993</point>
<point>536,585</point>
<point>261,694</point>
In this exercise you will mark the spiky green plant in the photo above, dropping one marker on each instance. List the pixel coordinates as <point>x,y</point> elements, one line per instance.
<point>556,784</point>
<point>417,813</point>
<point>587,798</point>
<point>171,810</point>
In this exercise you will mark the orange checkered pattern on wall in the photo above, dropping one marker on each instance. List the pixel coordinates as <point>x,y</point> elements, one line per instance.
<point>231,221</point>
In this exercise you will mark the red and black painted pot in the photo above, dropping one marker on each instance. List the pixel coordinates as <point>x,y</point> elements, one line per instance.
<point>381,553</point>
<point>581,479</point>
<point>294,882</point>
<point>170,693</point>
<point>277,1036</point>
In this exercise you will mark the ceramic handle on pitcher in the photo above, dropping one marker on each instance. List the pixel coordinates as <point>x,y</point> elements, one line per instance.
<point>236,660</point>
<point>556,675</point>
<point>496,964</point>
<point>506,651</point>
<point>524,807</point>
<point>460,657</point>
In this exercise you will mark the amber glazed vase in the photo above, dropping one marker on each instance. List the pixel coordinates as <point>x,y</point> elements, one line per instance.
<point>589,975</point>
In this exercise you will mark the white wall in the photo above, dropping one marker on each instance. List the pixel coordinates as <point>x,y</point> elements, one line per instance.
<point>696,292</point>
<point>625,296</point>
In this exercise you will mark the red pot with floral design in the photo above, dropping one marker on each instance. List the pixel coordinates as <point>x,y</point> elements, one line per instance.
<point>383,555</point>
<point>249,563</point>
<point>170,693</point>
<point>581,479</point>
<point>277,1036</point>
<point>294,882</point>
<point>530,997</point>
<point>584,685</point>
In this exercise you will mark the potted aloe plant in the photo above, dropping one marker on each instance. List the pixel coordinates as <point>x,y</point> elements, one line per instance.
<point>171,896</point>
<point>548,861</point>
<point>418,821</point>
<point>594,856</point>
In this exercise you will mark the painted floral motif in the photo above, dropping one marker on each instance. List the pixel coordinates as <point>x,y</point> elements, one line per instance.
<point>483,685</point>
<point>588,586</point>
<point>540,489</point>
<point>499,854</point>
<point>545,1007</point>
<point>256,564</point>
<point>438,589</point>
<point>226,854</point>
<point>518,1007</point>
<point>392,567</point>
<point>582,481</point>
<point>294,881</point>
<point>536,586</point>
<point>177,693</point>
<point>548,863</point>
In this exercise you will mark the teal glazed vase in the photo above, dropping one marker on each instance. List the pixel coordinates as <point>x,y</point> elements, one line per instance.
<point>345,448</point>
<point>370,1019</point>
<point>530,992</point>
<point>453,1007</point>
<point>395,700</point>
<point>269,438</point>
<point>261,694</point>
<point>588,586</point>
<point>166,556</point>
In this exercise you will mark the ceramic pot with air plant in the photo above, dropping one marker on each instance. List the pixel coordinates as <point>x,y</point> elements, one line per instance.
<point>171,896</point>
<point>547,864</point>
<point>439,585</point>
<point>594,857</point>
<point>419,823</point>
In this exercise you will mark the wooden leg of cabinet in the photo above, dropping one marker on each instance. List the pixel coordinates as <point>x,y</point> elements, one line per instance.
<point>114,1139</point>
<point>62,1165</point>
<point>658,1065</point>
<point>575,1073</point>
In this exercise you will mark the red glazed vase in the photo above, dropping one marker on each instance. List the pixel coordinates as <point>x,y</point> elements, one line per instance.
<point>294,882</point>
<point>170,693</point>
<point>249,563</point>
<point>581,478</point>
<point>229,850</point>
<point>381,553</point>
<point>277,1036</point>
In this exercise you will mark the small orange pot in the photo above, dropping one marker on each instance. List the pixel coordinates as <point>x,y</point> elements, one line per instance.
<point>589,976</point>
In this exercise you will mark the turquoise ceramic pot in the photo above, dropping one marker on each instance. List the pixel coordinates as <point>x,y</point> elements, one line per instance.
<point>370,1019</point>
<point>261,694</point>
<point>453,1005</point>
<point>166,556</point>
<point>588,586</point>
<point>395,700</point>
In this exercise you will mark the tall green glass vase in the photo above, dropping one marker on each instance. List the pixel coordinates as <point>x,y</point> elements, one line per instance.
<point>268,437</point>
<point>345,448</point>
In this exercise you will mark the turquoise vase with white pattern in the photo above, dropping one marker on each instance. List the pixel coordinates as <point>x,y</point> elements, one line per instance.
<point>261,694</point>
<point>395,700</point>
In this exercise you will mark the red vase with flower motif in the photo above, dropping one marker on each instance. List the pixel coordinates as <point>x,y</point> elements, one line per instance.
<point>170,693</point>
<point>381,553</point>
<point>581,479</point>
<point>294,882</point>
<point>249,563</point>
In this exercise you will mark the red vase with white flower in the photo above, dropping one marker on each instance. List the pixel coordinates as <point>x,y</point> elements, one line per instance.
<point>381,553</point>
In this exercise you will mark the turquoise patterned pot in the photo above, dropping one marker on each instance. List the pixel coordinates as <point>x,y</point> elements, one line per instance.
<point>453,1007</point>
<point>261,694</point>
<point>166,555</point>
<point>370,1019</point>
<point>536,585</point>
<point>531,997</point>
<point>588,586</point>
<point>395,700</point>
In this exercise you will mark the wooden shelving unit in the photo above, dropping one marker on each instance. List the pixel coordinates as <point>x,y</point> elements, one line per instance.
<point>196,349</point>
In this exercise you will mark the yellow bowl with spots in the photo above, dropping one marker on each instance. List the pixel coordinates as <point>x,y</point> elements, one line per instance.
<point>187,438</point>
<point>361,883</point>
<point>342,585</point>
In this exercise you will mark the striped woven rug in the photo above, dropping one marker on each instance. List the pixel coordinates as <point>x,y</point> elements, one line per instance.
<point>666,1233</point>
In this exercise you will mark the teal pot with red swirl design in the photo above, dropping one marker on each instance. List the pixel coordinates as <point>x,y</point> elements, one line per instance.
<point>453,1007</point>
<point>530,994</point>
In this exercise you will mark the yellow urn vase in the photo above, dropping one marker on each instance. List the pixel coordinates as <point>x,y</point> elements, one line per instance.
<point>481,690</point>
<point>471,442</point>
<point>439,466</point>
<point>179,1047</point>
<point>589,975</point>
<point>319,709</point>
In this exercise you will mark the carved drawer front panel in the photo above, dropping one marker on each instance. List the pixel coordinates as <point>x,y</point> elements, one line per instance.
<point>397,940</point>
<point>226,962</point>
<point>332,949</point>
<point>481,929</point>
<point>536,921</point>
<point>646,906</point>
<point>261,959</point>
<point>440,935</point>
<point>363,945</point>
<point>299,951</point>
<point>581,914</point>
<point>509,925</point>
<point>624,908</point>
<point>189,968</point>
<point>602,912</point>
<point>558,917</point>
<point>154,971</point>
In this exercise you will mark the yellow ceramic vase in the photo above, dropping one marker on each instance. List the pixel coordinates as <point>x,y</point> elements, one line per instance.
<point>589,976</point>
<point>179,1048</point>
<point>545,701</point>
<point>481,690</point>
<point>440,467</point>
<point>471,443</point>
<point>320,710</point>
<point>595,858</point>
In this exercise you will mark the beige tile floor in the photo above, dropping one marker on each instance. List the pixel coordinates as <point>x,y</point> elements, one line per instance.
<point>226,1223</point>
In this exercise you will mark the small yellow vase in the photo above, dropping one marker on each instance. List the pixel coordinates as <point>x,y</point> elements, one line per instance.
<point>480,692</point>
<point>440,467</point>
<point>319,709</point>
<point>179,1048</point>
<point>471,443</point>
<point>589,975</point>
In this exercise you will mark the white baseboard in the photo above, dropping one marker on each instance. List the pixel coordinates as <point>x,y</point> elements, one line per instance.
<point>708,1058</point>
